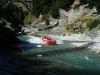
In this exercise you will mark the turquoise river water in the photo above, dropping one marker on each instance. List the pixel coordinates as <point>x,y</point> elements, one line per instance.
<point>59,59</point>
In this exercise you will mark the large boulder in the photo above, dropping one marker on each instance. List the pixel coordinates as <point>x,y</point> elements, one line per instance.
<point>7,36</point>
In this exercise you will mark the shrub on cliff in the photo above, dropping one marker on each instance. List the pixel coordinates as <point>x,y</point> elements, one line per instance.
<point>93,24</point>
<point>28,19</point>
<point>47,22</point>
<point>82,24</point>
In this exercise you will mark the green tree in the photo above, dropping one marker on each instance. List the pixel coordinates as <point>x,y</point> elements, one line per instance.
<point>49,6</point>
<point>47,22</point>
<point>28,19</point>
<point>54,11</point>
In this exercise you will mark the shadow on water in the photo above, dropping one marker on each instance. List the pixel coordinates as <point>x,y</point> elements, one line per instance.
<point>54,68</point>
<point>87,45</point>
<point>16,64</point>
<point>50,52</point>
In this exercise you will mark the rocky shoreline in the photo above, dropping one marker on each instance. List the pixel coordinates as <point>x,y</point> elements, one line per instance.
<point>60,25</point>
<point>57,27</point>
<point>90,40</point>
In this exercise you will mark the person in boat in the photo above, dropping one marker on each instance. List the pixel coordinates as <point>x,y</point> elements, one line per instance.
<point>48,40</point>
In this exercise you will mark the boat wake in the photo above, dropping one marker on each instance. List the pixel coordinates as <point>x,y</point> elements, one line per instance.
<point>32,41</point>
<point>38,40</point>
<point>28,42</point>
<point>26,45</point>
<point>79,40</point>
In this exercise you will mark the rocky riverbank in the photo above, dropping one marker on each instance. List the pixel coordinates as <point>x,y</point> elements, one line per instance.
<point>57,28</point>
<point>73,20</point>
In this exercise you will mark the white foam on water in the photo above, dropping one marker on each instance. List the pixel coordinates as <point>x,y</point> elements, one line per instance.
<point>39,55</point>
<point>30,43</point>
<point>33,41</point>
<point>73,37</point>
<point>59,42</point>
<point>26,45</point>
<point>38,40</point>
<point>86,57</point>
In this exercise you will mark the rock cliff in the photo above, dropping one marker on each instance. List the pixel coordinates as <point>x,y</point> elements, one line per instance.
<point>7,36</point>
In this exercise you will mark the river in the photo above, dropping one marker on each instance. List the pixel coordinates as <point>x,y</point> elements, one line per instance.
<point>32,57</point>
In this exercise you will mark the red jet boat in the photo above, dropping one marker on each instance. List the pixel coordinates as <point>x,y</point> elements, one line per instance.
<point>48,40</point>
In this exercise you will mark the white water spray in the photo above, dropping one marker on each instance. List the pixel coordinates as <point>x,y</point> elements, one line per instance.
<point>38,40</point>
<point>33,41</point>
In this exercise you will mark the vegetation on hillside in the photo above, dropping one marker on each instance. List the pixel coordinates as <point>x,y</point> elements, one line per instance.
<point>49,7</point>
<point>82,24</point>
<point>12,14</point>
<point>17,16</point>
<point>28,19</point>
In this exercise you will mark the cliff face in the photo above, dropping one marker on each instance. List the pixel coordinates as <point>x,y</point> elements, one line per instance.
<point>7,36</point>
<point>76,2</point>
